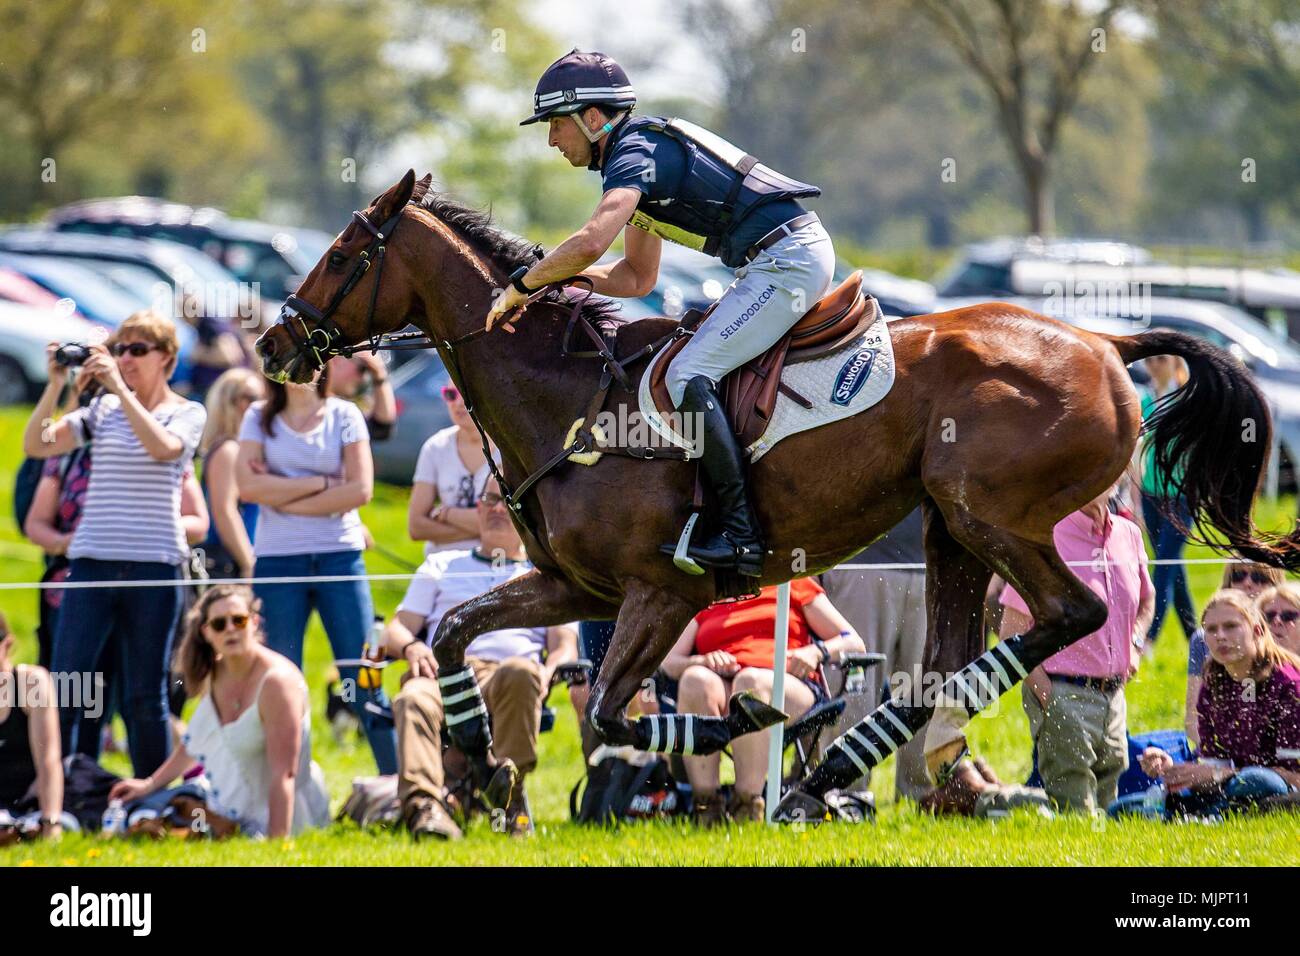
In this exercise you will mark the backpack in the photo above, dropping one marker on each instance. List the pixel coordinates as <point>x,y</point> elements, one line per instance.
<point>624,784</point>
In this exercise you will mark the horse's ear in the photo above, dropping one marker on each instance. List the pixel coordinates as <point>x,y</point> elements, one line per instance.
<point>396,197</point>
<point>422,187</point>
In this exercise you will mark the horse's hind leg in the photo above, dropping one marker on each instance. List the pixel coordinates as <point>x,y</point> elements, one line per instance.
<point>1063,609</point>
<point>649,623</point>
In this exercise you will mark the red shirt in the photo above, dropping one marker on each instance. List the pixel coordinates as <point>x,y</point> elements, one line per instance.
<point>746,629</point>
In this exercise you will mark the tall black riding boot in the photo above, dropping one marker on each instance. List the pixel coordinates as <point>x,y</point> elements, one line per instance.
<point>737,545</point>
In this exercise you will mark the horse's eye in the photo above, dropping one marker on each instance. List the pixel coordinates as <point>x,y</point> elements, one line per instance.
<point>337,259</point>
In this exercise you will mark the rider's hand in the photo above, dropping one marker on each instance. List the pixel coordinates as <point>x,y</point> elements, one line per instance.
<point>509,300</point>
<point>803,661</point>
<point>720,662</point>
<point>104,368</point>
<point>419,656</point>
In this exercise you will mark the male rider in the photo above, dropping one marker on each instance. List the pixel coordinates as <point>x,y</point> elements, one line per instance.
<point>668,179</point>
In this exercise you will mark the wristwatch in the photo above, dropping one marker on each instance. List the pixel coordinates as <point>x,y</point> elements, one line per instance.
<point>517,280</point>
<point>821,646</point>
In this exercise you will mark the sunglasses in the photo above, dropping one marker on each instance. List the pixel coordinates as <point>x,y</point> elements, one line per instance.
<point>237,621</point>
<point>136,349</point>
<point>450,393</point>
<point>1259,577</point>
<point>1286,617</point>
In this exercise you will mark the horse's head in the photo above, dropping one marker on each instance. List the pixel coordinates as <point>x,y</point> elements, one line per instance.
<point>342,301</point>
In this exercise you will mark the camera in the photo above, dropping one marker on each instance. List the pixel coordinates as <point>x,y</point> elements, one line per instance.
<point>72,354</point>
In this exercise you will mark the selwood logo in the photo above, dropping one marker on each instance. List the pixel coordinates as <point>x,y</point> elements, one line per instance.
<point>73,909</point>
<point>852,377</point>
<point>731,328</point>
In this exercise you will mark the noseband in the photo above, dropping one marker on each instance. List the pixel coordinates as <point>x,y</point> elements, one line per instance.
<point>317,344</point>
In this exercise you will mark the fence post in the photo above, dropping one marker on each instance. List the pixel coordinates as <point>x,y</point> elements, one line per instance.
<point>776,748</point>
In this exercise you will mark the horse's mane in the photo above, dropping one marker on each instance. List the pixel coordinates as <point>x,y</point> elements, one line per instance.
<point>505,249</point>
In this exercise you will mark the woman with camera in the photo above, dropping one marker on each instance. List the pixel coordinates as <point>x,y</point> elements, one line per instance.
<point>130,529</point>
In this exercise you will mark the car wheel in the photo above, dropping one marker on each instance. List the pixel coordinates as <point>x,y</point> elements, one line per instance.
<point>14,387</point>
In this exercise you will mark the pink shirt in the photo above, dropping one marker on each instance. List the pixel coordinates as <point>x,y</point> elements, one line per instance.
<point>1116,570</point>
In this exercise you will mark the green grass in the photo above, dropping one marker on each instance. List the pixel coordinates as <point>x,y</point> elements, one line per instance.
<point>901,836</point>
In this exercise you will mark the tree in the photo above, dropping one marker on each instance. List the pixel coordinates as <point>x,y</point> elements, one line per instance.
<point>1032,57</point>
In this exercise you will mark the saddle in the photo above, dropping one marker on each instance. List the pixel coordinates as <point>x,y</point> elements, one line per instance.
<point>749,393</point>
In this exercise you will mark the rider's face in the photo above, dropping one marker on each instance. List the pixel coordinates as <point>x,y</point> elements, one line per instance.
<point>568,139</point>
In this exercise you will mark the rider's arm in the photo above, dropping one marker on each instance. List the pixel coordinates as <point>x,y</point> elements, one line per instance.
<point>591,242</point>
<point>636,273</point>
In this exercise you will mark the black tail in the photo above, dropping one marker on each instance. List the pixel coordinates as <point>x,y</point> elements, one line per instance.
<point>1212,439</point>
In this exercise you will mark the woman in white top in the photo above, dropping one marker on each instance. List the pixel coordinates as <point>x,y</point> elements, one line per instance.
<point>305,460</point>
<point>144,436</point>
<point>251,729</point>
<point>450,475</point>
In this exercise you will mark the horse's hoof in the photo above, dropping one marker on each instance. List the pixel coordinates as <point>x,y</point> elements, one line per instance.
<point>747,714</point>
<point>799,807</point>
<point>501,787</point>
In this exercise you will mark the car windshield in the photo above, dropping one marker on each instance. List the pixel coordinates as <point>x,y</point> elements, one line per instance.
<point>94,295</point>
<point>1257,338</point>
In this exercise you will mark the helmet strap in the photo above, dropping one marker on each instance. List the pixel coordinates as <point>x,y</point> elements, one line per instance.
<point>594,135</point>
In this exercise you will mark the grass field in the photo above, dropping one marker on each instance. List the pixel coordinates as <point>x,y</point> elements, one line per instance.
<point>900,837</point>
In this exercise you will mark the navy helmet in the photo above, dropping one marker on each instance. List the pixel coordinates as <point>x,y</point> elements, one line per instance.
<point>578,80</point>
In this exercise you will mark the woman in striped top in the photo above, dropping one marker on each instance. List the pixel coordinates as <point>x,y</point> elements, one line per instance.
<point>304,458</point>
<point>130,529</point>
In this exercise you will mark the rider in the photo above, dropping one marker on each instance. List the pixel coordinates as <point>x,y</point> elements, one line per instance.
<point>669,179</point>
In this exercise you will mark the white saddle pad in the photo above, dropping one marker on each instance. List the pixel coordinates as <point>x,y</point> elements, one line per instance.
<point>839,384</point>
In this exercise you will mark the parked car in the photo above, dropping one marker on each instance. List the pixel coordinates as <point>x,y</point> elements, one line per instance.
<point>24,333</point>
<point>417,383</point>
<point>984,268</point>
<point>16,287</point>
<point>275,257</point>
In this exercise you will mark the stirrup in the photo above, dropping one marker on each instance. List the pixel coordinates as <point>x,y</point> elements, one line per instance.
<point>681,557</point>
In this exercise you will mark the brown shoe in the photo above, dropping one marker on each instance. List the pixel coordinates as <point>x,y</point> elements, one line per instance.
<point>519,815</point>
<point>427,817</point>
<point>195,816</point>
<point>746,808</point>
<point>956,797</point>
<point>709,811</point>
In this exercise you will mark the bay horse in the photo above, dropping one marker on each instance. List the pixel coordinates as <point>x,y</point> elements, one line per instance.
<point>1000,423</point>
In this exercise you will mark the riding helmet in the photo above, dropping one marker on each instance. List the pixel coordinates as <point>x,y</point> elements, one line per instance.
<point>578,80</point>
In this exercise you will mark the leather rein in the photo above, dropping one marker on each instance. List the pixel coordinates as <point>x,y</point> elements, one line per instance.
<point>319,344</point>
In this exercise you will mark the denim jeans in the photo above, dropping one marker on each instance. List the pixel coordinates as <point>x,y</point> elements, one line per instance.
<point>346,611</point>
<point>1243,790</point>
<point>1170,580</point>
<point>137,626</point>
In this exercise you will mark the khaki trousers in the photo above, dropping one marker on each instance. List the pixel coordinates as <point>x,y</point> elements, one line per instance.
<point>887,609</point>
<point>513,692</point>
<point>1082,744</point>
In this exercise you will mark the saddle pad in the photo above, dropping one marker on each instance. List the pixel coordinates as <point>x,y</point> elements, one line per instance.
<point>839,384</point>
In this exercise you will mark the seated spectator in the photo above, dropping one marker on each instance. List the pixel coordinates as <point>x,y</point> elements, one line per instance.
<point>364,378</point>
<point>251,729</point>
<point>728,648</point>
<point>228,548</point>
<point>29,746</point>
<point>508,665</point>
<point>1252,580</point>
<point>450,474</point>
<point>1280,606</point>
<point>1075,699</point>
<point>974,790</point>
<point>1249,717</point>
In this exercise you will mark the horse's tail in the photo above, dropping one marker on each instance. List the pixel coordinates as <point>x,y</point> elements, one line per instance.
<point>1212,439</point>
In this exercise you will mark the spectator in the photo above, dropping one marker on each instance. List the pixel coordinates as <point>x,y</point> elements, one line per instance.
<point>131,526</point>
<point>218,347</point>
<point>29,745</point>
<point>728,648</point>
<point>507,664</point>
<point>451,472</point>
<point>1249,717</point>
<point>887,608</point>
<point>364,377</point>
<point>974,790</point>
<point>305,459</point>
<point>1075,699</point>
<point>228,548</point>
<point>1252,580</point>
<point>1160,500</point>
<point>1280,606</point>
<point>251,729</point>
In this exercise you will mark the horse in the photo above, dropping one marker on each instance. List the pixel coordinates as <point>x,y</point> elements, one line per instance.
<point>1000,423</point>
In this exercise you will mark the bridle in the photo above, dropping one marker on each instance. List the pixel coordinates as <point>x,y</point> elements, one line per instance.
<point>317,345</point>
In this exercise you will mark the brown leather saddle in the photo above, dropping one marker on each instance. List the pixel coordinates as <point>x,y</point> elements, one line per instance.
<point>749,393</point>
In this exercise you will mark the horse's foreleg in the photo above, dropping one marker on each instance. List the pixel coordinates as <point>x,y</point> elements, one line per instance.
<point>649,623</point>
<point>531,600</point>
